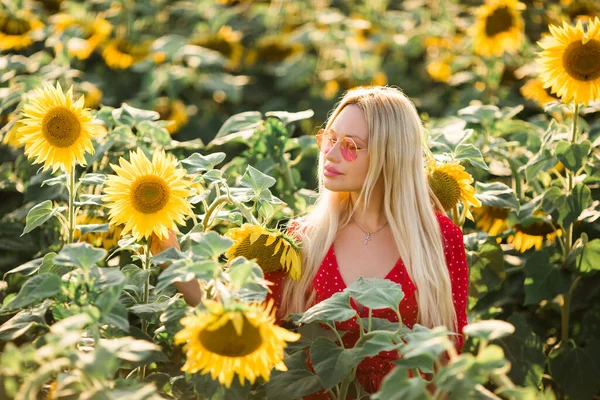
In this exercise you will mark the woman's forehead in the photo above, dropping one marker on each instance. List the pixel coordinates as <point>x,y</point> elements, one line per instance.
<point>351,122</point>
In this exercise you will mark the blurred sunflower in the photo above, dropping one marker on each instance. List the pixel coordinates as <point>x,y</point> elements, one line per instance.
<point>147,196</point>
<point>534,234</point>
<point>584,10</point>
<point>330,89</point>
<point>272,249</point>
<point>56,130</point>
<point>226,41</point>
<point>93,95</point>
<point>52,6</point>
<point>120,53</point>
<point>273,49</point>
<point>570,61</point>
<point>451,184</point>
<point>106,240</point>
<point>534,90</point>
<point>499,27</point>
<point>18,32</point>
<point>239,339</point>
<point>12,137</point>
<point>493,220</point>
<point>440,69</point>
<point>95,32</point>
<point>172,110</point>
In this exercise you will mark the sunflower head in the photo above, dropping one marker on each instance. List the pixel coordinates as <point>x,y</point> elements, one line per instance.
<point>534,233</point>
<point>226,41</point>
<point>18,32</point>
<point>120,53</point>
<point>499,27</point>
<point>534,90</point>
<point>95,31</point>
<point>148,196</point>
<point>452,184</point>
<point>570,61</point>
<point>274,49</point>
<point>93,95</point>
<point>272,249</point>
<point>56,130</point>
<point>106,240</point>
<point>493,220</point>
<point>440,70</point>
<point>12,136</point>
<point>237,339</point>
<point>172,110</point>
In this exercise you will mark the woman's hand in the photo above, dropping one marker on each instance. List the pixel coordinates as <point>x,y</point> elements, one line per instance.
<point>158,245</point>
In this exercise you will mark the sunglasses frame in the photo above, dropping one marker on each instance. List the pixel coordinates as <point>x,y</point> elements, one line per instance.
<point>321,134</point>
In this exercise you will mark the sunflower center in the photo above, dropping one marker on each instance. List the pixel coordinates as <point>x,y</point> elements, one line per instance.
<point>582,61</point>
<point>501,20</point>
<point>446,188</point>
<point>225,341</point>
<point>264,255</point>
<point>61,127</point>
<point>15,26</point>
<point>149,194</point>
<point>538,228</point>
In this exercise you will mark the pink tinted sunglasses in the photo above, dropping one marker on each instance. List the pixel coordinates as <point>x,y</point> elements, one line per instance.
<point>348,147</point>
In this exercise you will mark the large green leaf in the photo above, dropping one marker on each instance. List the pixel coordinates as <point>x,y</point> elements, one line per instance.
<point>209,244</point>
<point>587,260</point>
<point>397,386</point>
<point>258,182</point>
<point>35,289</point>
<point>572,155</point>
<point>524,351</point>
<point>486,272</point>
<point>467,151</point>
<point>376,293</point>
<point>197,163</point>
<point>331,362</point>
<point>489,329</point>
<point>81,255</point>
<point>40,214</point>
<point>204,270</point>
<point>576,369</point>
<point>298,381</point>
<point>544,281</point>
<point>496,194</point>
<point>23,321</point>
<point>335,308</point>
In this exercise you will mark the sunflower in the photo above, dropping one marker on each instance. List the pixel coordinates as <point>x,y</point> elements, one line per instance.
<point>272,249</point>
<point>239,339</point>
<point>330,90</point>
<point>122,54</point>
<point>583,10</point>
<point>17,33</point>
<point>498,27</point>
<point>226,41</point>
<point>570,61</point>
<point>534,234</point>
<point>56,130</point>
<point>440,69</point>
<point>172,110</point>
<point>95,32</point>
<point>451,184</point>
<point>147,196</point>
<point>534,90</point>
<point>93,95</point>
<point>11,138</point>
<point>106,240</point>
<point>273,49</point>
<point>493,220</point>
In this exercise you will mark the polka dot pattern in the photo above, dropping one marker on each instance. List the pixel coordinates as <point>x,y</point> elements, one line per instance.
<point>328,281</point>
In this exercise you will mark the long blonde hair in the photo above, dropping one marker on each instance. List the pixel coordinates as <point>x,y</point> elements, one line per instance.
<point>395,150</point>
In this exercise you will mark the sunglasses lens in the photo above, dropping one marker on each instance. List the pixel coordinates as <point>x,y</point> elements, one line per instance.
<point>348,149</point>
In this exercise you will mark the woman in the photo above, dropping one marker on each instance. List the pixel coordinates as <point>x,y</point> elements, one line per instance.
<point>376,217</point>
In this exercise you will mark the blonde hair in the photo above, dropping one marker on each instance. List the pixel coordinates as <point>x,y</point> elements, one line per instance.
<point>396,151</point>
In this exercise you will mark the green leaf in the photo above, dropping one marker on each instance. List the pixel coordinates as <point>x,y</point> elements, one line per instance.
<point>204,270</point>
<point>376,293</point>
<point>79,255</point>
<point>486,268</point>
<point>572,155</point>
<point>524,351</point>
<point>294,383</point>
<point>209,244</point>
<point>35,289</point>
<point>89,200</point>
<point>23,321</point>
<point>27,269</point>
<point>238,122</point>
<point>287,117</point>
<point>127,115</point>
<point>335,308</point>
<point>467,151</point>
<point>544,281</point>
<point>398,386</point>
<point>489,329</point>
<point>575,203</point>
<point>169,255</point>
<point>331,362</point>
<point>257,181</point>
<point>130,349</point>
<point>92,179</point>
<point>496,194</point>
<point>576,369</point>
<point>243,271</point>
<point>39,214</point>
<point>553,198</point>
<point>85,229</point>
<point>59,180</point>
<point>197,163</point>
<point>154,133</point>
<point>483,114</point>
<point>587,261</point>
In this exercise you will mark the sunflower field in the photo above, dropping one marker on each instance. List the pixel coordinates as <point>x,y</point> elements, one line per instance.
<point>126,124</point>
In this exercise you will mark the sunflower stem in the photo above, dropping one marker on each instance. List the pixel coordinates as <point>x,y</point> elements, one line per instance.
<point>566,304</point>
<point>146,292</point>
<point>71,211</point>
<point>455,215</point>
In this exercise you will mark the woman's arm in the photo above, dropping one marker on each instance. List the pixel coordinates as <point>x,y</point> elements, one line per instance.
<point>190,290</point>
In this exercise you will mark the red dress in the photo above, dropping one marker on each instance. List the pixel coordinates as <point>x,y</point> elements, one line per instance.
<point>328,280</point>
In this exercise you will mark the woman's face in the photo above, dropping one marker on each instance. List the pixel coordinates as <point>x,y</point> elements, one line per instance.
<point>349,122</point>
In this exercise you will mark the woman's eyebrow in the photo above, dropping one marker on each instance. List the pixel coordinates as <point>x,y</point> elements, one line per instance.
<point>352,136</point>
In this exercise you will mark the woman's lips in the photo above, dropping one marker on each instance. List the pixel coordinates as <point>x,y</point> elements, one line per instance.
<point>331,172</point>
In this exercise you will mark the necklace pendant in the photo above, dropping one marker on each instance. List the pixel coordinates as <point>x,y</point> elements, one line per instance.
<point>367,238</point>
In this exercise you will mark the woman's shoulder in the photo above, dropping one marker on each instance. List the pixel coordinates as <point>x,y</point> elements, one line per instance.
<point>449,229</point>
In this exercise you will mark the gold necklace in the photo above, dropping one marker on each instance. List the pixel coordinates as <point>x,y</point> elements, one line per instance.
<point>368,237</point>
